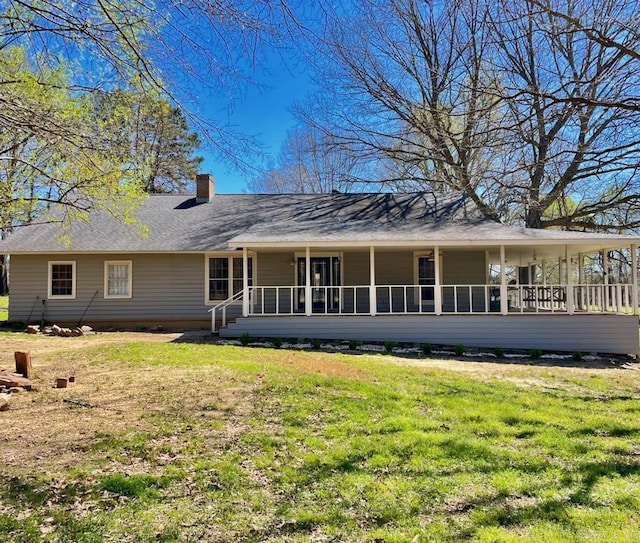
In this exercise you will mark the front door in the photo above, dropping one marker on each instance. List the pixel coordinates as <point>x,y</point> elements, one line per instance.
<point>325,273</point>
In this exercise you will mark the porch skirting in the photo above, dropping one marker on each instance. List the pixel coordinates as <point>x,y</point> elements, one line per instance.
<point>602,333</point>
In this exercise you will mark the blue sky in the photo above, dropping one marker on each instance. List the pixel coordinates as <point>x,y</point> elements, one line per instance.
<point>263,112</point>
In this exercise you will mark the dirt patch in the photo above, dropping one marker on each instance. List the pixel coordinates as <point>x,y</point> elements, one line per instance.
<point>42,429</point>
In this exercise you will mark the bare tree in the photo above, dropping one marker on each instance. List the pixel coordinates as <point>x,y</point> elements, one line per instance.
<point>516,106</point>
<point>309,162</point>
<point>570,140</point>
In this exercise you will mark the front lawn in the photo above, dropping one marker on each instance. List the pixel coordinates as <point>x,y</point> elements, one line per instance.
<point>196,442</point>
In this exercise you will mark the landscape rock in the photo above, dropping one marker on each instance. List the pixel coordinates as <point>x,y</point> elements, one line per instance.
<point>4,401</point>
<point>32,329</point>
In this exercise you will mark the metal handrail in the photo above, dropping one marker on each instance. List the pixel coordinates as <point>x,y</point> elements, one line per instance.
<point>223,306</point>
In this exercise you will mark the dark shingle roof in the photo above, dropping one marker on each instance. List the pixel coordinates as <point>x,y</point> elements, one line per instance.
<point>178,223</point>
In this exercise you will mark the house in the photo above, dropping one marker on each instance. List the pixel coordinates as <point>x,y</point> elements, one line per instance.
<point>403,267</point>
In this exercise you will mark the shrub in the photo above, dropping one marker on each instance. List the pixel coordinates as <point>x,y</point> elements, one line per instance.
<point>315,343</point>
<point>459,349</point>
<point>535,353</point>
<point>277,342</point>
<point>354,344</point>
<point>245,338</point>
<point>499,352</point>
<point>577,356</point>
<point>426,348</point>
<point>389,345</point>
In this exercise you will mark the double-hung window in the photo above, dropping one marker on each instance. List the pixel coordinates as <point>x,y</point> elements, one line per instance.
<point>225,277</point>
<point>62,279</point>
<point>117,279</point>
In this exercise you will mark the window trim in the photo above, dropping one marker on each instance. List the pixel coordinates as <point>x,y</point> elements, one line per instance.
<point>229,256</point>
<point>50,294</point>
<point>127,296</point>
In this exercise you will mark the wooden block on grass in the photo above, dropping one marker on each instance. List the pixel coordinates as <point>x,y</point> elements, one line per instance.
<point>23,363</point>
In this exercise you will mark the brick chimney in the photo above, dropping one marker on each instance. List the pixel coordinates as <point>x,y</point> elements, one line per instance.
<point>205,188</point>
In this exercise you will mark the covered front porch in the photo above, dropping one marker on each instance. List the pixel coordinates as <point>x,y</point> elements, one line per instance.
<point>516,278</point>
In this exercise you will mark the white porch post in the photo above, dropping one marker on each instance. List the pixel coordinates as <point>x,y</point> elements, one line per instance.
<point>245,282</point>
<point>544,273</point>
<point>570,308</point>
<point>504,302</point>
<point>634,279</point>
<point>373,305</point>
<point>605,279</point>
<point>581,289</point>
<point>307,287</point>
<point>437,290</point>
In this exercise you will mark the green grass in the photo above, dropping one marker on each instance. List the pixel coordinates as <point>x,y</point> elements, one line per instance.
<point>4,308</point>
<point>293,446</point>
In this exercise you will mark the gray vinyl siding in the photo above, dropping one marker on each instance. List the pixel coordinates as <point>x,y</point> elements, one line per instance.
<point>275,269</point>
<point>585,333</point>
<point>394,268</point>
<point>464,268</point>
<point>167,286</point>
<point>355,268</point>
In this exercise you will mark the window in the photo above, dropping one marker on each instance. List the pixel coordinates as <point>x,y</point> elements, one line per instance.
<point>426,271</point>
<point>62,279</point>
<point>426,276</point>
<point>225,277</point>
<point>117,279</point>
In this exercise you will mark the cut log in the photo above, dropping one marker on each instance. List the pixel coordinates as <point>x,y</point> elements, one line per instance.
<point>11,380</point>
<point>62,382</point>
<point>4,402</point>
<point>23,363</point>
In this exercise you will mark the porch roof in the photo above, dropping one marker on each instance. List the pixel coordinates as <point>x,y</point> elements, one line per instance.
<point>451,233</point>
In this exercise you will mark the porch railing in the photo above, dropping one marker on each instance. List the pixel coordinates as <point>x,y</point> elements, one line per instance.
<point>236,298</point>
<point>457,299</point>
<point>616,298</point>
